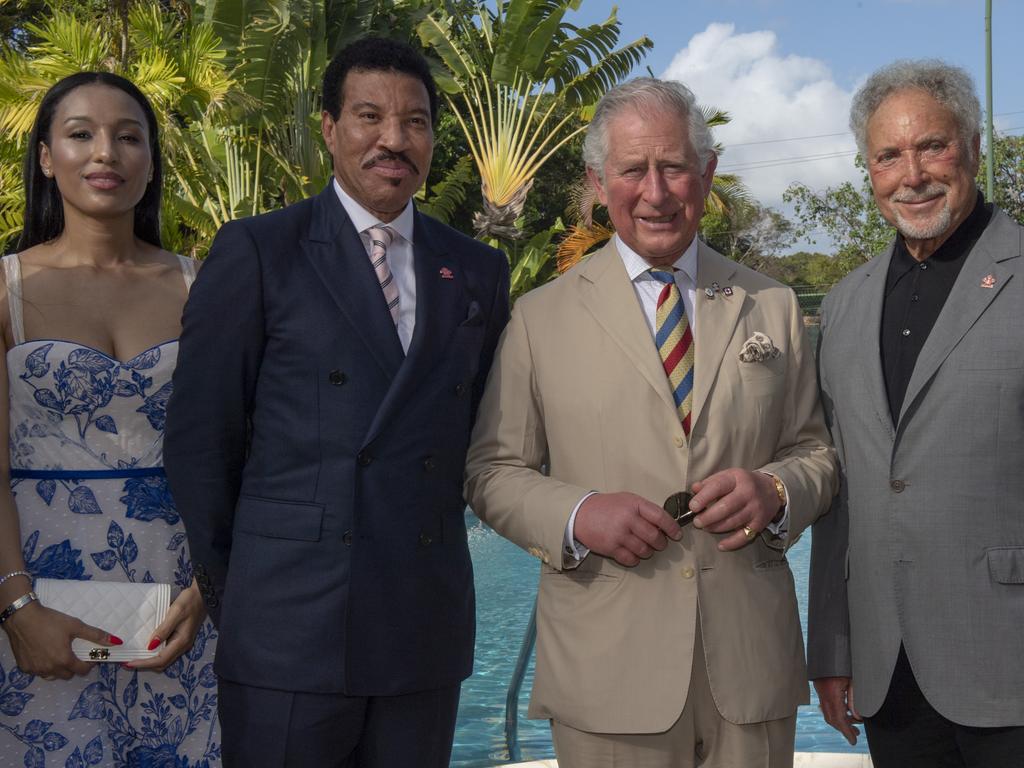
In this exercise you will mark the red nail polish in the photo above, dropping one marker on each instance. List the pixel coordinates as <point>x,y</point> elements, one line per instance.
<point>153,644</point>
<point>115,640</point>
<point>126,665</point>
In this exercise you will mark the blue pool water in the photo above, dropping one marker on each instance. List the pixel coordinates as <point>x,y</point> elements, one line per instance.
<point>506,583</point>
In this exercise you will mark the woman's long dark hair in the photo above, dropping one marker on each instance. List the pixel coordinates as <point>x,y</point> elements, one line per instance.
<point>44,208</point>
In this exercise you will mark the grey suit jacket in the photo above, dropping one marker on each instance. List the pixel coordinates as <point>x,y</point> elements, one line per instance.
<point>925,543</point>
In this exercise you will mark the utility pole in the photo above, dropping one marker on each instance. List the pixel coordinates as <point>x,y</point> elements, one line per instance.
<point>990,178</point>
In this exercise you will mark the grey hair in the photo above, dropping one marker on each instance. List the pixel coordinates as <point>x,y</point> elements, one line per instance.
<point>950,86</point>
<point>645,93</point>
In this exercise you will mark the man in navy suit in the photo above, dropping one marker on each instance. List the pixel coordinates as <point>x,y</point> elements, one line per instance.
<point>316,440</point>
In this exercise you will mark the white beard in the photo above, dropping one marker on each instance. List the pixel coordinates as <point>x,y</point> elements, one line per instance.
<point>926,230</point>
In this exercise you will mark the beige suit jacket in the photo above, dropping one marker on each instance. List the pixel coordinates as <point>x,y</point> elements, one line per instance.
<point>577,387</point>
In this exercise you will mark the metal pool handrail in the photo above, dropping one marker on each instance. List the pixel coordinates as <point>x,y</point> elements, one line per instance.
<point>515,685</point>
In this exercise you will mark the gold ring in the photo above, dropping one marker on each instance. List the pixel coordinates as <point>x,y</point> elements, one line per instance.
<point>749,532</point>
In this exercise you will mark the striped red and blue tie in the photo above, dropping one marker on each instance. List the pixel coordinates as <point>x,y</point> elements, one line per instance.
<point>675,344</point>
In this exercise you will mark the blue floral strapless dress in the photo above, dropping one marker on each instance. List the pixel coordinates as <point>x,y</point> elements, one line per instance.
<point>86,444</point>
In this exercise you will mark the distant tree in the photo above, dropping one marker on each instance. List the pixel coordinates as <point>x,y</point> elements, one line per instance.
<point>1009,175</point>
<point>806,268</point>
<point>748,233</point>
<point>846,214</point>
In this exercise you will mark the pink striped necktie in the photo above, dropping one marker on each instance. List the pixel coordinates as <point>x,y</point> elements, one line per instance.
<point>380,238</point>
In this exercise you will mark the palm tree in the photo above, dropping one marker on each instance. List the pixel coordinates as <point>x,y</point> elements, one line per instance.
<point>521,81</point>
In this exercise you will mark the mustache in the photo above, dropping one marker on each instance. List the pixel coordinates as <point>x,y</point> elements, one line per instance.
<point>917,196</point>
<point>388,156</point>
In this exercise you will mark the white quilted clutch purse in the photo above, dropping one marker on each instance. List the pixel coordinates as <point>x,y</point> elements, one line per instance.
<point>131,611</point>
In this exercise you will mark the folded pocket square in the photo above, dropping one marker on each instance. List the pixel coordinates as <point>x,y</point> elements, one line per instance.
<point>130,611</point>
<point>758,348</point>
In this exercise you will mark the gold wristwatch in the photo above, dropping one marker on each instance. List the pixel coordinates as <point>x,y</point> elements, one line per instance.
<point>780,490</point>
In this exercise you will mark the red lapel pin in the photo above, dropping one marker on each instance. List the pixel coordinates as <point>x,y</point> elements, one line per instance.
<point>446,274</point>
<point>988,281</point>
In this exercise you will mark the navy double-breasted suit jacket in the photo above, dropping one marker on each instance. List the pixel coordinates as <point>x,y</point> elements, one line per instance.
<point>318,469</point>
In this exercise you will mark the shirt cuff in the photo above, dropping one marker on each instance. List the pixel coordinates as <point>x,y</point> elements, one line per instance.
<point>570,547</point>
<point>780,528</point>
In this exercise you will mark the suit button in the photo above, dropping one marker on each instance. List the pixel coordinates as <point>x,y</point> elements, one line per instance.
<point>460,389</point>
<point>346,538</point>
<point>364,459</point>
<point>429,465</point>
<point>686,573</point>
<point>679,441</point>
<point>425,540</point>
<point>337,378</point>
<point>212,601</point>
<point>897,486</point>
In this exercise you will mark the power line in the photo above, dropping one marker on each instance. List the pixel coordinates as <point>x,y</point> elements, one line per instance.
<point>841,133</point>
<point>795,138</point>
<point>780,161</point>
<point>754,165</point>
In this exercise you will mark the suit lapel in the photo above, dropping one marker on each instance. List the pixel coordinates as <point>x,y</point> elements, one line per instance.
<point>339,257</point>
<point>988,263</point>
<point>716,321</point>
<point>872,294</point>
<point>607,293</point>
<point>437,315</point>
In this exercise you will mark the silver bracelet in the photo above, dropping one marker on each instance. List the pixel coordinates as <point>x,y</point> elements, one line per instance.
<point>17,605</point>
<point>12,574</point>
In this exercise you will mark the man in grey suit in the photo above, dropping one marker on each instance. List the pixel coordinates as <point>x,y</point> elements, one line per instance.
<point>917,573</point>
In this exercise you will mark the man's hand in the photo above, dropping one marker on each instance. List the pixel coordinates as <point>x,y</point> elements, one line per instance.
<point>733,499</point>
<point>624,526</point>
<point>836,697</point>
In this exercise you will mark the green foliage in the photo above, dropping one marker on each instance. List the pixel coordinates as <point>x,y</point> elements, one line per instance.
<point>805,269</point>
<point>449,194</point>
<point>747,233</point>
<point>1009,175</point>
<point>520,80</point>
<point>235,84</point>
<point>847,215</point>
<point>533,262</point>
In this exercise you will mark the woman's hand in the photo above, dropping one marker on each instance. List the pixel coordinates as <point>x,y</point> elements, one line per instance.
<point>177,631</point>
<point>41,641</point>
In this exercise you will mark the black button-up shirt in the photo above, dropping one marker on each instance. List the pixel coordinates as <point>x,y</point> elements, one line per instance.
<point>915,293</point>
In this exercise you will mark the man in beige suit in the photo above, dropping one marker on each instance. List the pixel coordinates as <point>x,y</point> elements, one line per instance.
<point>658,646</point>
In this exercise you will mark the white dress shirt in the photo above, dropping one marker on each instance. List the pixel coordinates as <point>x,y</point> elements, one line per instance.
<point>399,257</point>
<point>648,289</point>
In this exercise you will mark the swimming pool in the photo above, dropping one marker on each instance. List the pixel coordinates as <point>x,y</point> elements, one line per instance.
<point>506,582</point>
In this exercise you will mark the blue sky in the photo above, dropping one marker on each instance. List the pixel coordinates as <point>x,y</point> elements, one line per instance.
<point>786,69</point>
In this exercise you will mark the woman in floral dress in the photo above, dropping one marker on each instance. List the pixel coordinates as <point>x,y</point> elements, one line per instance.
<point>90,313</point>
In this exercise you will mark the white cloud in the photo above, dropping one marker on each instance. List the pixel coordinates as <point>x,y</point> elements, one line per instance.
<point>769,96</point>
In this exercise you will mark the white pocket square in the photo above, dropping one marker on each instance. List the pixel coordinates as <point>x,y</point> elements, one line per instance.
<point>758,348</point>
